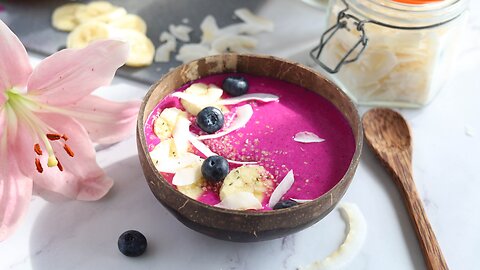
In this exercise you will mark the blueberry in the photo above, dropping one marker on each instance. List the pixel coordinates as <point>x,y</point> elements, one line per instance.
<point>210,119</point>
<point>215,169</point>
<point>284,204</point>
<point>235,86</point>
<point>132,243</point>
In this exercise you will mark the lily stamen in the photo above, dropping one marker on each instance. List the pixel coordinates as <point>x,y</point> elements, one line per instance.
<point>68,150</point>
<point>53,137</point>
<point>37,149</point>
<point>65,137</point>
<point>59,165</point>
<point>38,165</point>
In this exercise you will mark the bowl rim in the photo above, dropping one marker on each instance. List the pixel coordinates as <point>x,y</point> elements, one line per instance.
<point>246,213</point>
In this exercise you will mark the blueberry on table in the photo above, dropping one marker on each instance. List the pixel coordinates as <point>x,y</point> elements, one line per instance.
<point>235,86</point>
<point>132,243</point>
<point>210,119</point>
<point>215,169</point>
<point>284,204</point>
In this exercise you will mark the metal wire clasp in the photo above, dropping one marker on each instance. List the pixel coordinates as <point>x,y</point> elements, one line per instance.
<point>342,23</point>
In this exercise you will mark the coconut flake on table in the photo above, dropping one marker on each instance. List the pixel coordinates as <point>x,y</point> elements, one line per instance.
<point>243,115</point>
<point>163,51</point>
<point>281,189</point>
<point>233,43</point>
<point>240,201</point>
<point>247,16</point>
<point>192,51</point>
<point>209,29</point>
<point>203,148</point>
<point>357,232</point>
<point>181,32</point>
<point>255,96</point>
<point>307,137</point>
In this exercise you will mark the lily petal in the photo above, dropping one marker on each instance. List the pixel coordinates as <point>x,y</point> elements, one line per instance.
<point>70,75</point>
<point>15,185</point>
<point>81,178</point>
<point>15,66</point>
<point>106,121</point>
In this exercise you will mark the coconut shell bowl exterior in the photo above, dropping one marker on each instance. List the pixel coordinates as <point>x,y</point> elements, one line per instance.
<point>234,225</point>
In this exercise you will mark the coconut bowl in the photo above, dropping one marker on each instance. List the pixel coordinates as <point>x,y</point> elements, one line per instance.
<point>235,225</point>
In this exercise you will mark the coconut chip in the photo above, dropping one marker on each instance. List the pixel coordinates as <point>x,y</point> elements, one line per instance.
<point>250,18</point>
<point>209,29</point>
<point>181,32</point>
<point>202,148</point>
<point>243,115</point>
<point>164,50</point>
<point>281,189</point>
<point>256,96</point>
<point>240,201</point>
<point>307,137</point>
<point>301,200</point>
<point>233,43</point>
<point>357,232</point>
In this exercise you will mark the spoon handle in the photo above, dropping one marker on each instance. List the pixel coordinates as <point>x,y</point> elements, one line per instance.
<point>428,242</point>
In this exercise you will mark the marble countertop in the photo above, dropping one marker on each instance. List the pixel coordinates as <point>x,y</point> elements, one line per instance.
<point>446,133</point>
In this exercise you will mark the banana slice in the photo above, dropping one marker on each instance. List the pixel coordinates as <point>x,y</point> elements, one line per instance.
<point>63,17</point>
<point>99,11</point>
<point>130,21</point>
<point>198,96</point>
<point>194,190</point>
<point>142,49</point>
<point>86,33</point>
<point>249,178</point>
<point>166,121</point>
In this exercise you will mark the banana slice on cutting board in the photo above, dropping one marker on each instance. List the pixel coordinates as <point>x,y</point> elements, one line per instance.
<point>142,49</point>
<point>248,178</point>
<point>99,11</point>
<point>87,33</point>
<point>130,21</point>
<point>63,17</point>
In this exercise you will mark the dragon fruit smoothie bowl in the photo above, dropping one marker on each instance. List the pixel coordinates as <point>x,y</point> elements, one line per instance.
<point>286,149</point>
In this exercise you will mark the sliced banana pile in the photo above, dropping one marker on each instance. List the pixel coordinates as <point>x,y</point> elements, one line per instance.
<point>102,20</point>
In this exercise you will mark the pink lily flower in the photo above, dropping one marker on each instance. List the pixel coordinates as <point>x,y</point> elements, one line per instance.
<point>49,120</point>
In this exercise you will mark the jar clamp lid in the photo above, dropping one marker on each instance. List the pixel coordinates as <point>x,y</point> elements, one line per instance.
<point>352,55</point>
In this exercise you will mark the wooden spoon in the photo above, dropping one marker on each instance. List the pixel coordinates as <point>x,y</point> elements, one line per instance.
<point>388,135</point>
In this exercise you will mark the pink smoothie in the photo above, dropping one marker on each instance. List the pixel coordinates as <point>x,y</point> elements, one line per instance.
<point>268,137</point>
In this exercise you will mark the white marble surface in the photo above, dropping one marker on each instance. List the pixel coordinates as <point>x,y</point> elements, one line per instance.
<point>79,235</point>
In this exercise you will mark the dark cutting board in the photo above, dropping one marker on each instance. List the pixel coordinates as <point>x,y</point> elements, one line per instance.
<point>30,20</point>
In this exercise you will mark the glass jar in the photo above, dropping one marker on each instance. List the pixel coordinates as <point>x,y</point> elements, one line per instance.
<point>390,52</point>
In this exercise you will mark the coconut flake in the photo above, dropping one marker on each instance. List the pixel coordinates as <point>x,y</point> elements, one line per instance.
<point>233,43</point>
<point>243,115</point>
<point>188,175</point>
<point>240,201</point>
<point>209,29</point>
<point>189,52</point>
<point>247,16</point>
<point>164,50</point>
<point>281,189</point>
<point>301,200</point>
<point>307,137</point>
<point>181,32</point>
<point>255,96</point>
<point>202,148</point>
<point>357,231</point>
